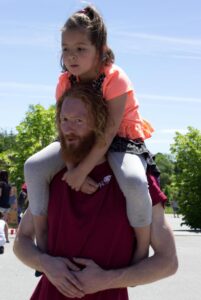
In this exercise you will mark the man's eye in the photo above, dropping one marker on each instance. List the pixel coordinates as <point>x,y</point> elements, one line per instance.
<point>79,121</point>
<point>63,119</point>
<point>65,49</point>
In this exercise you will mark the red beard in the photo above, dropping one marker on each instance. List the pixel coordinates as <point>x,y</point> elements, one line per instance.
<point>75,153</point>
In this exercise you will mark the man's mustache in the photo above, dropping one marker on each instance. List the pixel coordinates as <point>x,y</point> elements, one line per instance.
<point>71,136</point>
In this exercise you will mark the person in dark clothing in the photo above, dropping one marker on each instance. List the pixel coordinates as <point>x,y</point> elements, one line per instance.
<point>22,201</point>
<point>5,189</point>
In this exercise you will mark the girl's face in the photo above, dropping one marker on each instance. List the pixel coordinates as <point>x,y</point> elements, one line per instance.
<point>79,55</point>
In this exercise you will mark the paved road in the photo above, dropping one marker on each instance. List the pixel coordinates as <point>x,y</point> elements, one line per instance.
<point>185,284</point>
<point>17,281</point>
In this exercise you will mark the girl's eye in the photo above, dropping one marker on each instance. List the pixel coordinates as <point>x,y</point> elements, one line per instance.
<point>65,50</point>
<point>81,49</point>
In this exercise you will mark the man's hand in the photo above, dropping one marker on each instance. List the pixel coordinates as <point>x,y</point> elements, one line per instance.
<point>60,272</point>
<point>92,277</point>
<point>75,178</point>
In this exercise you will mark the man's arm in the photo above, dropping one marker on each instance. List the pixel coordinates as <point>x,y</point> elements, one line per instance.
<point>24,245</point>
<point>57,269</point>
<point>93,279</point>
<point>162,264</point>
<point>164,261</point>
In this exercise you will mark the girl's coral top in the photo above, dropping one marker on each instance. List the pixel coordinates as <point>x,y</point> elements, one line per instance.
<point>115,84</point>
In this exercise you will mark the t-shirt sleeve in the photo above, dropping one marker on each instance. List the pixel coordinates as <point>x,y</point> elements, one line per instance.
<point>116,83</point>
<point>155,191</point>
<point>62,85</point>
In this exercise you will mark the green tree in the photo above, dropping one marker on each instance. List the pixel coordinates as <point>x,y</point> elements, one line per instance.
<point>7,142</point>
<point>187,152</point>
<point>34,133</point>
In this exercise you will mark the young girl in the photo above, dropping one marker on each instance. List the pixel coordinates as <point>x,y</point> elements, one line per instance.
<point>86,57</point>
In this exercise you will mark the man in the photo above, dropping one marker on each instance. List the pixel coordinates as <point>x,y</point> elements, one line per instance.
<point>90,242</point>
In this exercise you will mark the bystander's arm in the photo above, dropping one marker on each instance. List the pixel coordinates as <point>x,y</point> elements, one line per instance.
<point>6,232</point>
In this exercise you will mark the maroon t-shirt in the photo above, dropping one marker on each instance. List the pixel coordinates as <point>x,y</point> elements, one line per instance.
<point>88,226</point>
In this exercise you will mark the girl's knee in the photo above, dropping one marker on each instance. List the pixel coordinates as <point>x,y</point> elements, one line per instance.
<point>30,164</point>
<point>136,182</point>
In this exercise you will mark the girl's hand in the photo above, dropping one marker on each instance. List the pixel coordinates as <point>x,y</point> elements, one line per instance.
<point>75,178</point>
<point>89,186</point>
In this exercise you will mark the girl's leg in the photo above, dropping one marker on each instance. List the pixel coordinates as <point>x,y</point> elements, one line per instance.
<point>143,236</point>
<point>39,169</point>
<point>129,170</point>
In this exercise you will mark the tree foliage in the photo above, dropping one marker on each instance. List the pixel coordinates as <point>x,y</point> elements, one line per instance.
<point>7,142</point>
<point>35,132</point>
<point>187,152</point>
<point>165,162</point>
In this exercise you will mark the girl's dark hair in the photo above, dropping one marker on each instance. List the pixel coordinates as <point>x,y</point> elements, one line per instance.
<point>4,176</point>
<point>90,21</point>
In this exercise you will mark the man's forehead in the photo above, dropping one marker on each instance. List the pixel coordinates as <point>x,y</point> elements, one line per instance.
<point>75,106</point>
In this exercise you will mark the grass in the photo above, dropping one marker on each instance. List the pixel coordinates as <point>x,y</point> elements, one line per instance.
<point>168,210</point>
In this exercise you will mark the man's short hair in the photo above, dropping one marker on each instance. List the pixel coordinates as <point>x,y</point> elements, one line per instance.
<point>94,102</point>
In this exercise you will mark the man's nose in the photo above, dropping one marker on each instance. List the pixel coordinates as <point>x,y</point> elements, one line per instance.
<point>68,127</point>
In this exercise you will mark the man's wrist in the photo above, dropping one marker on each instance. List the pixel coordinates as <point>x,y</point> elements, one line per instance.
<point>114,279</point>
<point>43,262</point>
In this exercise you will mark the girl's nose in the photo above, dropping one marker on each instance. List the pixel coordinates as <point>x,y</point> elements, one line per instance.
<point>72,54</point>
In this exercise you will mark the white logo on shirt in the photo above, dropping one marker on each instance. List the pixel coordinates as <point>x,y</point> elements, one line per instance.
<point>105,181</point>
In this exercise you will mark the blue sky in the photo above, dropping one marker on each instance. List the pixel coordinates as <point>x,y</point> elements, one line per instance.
<point>158,44</point>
